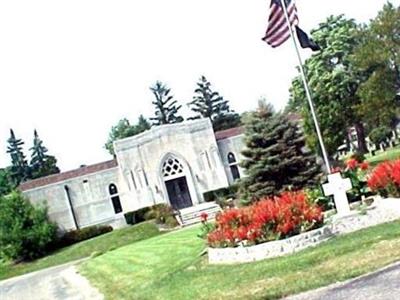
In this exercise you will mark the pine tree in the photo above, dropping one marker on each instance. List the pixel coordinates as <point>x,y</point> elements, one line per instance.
<point>275,159</point>
<point>166,109</point>
<point>19,169</point>
<point>41,163</point>
<point>209,104</point>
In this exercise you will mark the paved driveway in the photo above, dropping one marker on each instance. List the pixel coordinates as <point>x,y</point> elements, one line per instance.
<point>56,283</point>
<point>380,285</point>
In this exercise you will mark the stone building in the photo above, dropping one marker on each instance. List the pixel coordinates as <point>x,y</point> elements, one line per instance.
<point>174,164</point>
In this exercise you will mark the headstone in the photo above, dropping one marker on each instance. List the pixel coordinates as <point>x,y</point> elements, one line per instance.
<point>338,186</point>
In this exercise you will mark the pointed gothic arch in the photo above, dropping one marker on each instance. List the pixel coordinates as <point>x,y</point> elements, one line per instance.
<point>177,181</point>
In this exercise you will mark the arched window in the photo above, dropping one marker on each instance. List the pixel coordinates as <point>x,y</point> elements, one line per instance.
<point>113,190</point>
<point>172,167</point>
<point>233,165</point>
<point>231,158</point>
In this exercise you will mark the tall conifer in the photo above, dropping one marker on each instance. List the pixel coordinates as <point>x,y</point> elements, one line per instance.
<point>209,104</point>
<point>41,163</point>
<point>19,166</point>
<point>166,108</point>
<point>275,156</point>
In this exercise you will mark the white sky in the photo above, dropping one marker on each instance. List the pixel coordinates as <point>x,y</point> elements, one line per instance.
<point>72,69</point>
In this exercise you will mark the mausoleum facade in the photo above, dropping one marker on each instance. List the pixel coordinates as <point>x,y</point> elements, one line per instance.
<point>174,164</point>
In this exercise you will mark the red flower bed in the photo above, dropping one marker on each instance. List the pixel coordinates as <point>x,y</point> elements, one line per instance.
<point>385,179</point>
<point>269,219</point>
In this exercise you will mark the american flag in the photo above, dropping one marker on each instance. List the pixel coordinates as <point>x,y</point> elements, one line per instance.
<point>278,31</point>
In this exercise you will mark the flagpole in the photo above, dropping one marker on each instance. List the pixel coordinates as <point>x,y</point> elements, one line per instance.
<point>310,102</point>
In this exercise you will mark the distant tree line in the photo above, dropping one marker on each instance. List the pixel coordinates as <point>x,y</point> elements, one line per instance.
<point>41,164</point>
<point>206,103</point>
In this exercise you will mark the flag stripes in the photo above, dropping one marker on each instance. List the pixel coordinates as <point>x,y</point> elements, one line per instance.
<point>278,31</point>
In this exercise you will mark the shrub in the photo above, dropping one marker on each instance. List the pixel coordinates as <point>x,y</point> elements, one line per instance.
<point>358,156</point>
<point>79,235</point>
<point>380,134</point>
<point>138,216</point>
<point>385,179</point>
<point>357,172</point>
<point>268,219</point>
<point>25,230</point>
<point>225,193</point>
<point>206,227</point>
<point>317,197</point>
<point>161,213</point>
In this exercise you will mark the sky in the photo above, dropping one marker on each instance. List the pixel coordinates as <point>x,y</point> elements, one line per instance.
<point>72,69</point>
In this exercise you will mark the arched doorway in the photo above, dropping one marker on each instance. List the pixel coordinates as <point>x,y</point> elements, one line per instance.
<point>176,183</point>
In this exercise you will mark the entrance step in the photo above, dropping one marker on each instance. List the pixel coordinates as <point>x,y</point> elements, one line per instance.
<point>192,215</point>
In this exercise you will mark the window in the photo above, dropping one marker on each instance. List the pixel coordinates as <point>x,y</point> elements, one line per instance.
<point>172,167</point>
<point>116,202</point>
<point>231,158</point>
<point>233,165</point>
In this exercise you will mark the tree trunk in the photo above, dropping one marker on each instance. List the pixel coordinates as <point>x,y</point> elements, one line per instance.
<point>361,144</point>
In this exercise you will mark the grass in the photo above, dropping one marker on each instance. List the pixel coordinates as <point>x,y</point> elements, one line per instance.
<point>92,247</point>
<point>390,154</point>
<point>171,267</point>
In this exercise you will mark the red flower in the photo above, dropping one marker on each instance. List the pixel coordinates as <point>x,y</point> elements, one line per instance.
<point>396,172</point>
<point>270,217</point>
<point>381,177</point>
<point>204,217</point>
<point>351,164</point>
<point>364,166</point>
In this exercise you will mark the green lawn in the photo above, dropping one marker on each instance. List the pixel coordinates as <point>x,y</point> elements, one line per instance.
<point>95,246</point>
<point>390,154</point>
<point>171,267</point>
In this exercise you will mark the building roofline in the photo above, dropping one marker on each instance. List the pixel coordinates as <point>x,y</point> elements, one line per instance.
<point>56,178</point>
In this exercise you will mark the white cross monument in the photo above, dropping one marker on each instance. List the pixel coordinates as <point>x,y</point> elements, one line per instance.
<point>338,187</point>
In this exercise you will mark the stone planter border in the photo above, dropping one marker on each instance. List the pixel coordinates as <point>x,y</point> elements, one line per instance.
<point>382,211</point>
<point>269,249</point>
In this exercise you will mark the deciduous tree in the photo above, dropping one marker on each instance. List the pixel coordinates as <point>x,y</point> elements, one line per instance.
<point>334,81</point>
<point>124,129</point>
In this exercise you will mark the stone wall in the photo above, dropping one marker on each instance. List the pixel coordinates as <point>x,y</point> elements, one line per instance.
<point>233,145</point>
<point>270,249</point>
<point>89,197</point>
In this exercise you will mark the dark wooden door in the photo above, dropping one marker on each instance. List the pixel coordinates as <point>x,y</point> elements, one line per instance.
<point>178,193</point>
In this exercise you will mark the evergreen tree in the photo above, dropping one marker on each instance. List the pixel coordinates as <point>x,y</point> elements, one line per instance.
<point>123,130</point>
<point>19,169</point>
<point>166,109</point>
<point>275,156</point>
<point>209,104</point>
<point>41,163</point>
